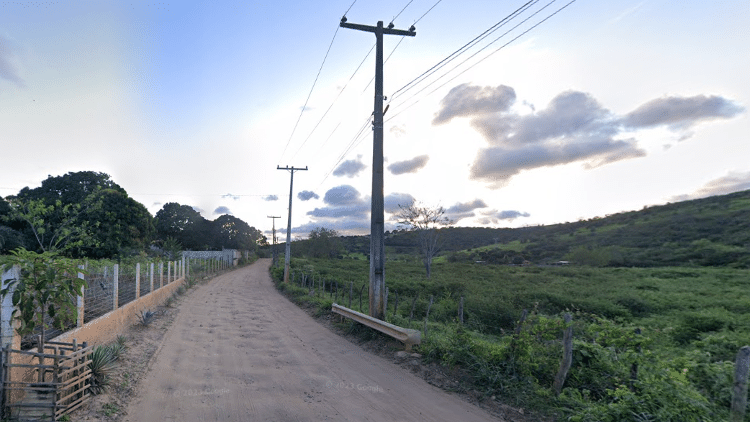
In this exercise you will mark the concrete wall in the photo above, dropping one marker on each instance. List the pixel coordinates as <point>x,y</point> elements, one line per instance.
<point>227,255</point>
<point>107,327</point>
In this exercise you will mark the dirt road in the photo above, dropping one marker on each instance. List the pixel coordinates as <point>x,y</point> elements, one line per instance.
<point>240,351</point>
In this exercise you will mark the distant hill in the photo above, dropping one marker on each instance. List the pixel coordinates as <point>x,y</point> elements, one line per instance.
<point>713,231</point>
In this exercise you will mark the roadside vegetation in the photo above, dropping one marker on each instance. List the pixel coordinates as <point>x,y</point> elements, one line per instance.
<point>658,298</point>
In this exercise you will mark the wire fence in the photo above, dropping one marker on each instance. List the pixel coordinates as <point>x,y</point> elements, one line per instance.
<point>129,282</point>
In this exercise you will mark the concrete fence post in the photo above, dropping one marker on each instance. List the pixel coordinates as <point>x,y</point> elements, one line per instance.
<point>7,330</point>
<point>137,280</point>
<point>169,271</point>
<point>161,274</point>
<point>80,302</point>
<point>151,277</point>
<point>115,286</point>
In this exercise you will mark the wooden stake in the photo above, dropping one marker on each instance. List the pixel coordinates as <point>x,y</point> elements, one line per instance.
<point>567,359</point>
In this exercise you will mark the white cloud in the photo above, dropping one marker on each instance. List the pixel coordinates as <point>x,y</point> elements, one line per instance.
<point>409,166</point>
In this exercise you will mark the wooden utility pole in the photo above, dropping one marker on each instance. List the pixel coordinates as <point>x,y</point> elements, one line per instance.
<point>273,241</point>
<point>288,251</point>
<point>377,219</point>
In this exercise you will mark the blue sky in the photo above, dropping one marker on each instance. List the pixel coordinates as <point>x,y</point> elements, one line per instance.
<point>605,107</point>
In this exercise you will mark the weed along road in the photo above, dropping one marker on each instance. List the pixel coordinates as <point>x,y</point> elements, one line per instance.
<point>240,351</point>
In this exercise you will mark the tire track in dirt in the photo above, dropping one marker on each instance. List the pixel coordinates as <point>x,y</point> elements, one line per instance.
<point>240,351</point>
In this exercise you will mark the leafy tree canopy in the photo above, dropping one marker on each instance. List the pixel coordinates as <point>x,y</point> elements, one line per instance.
<point>120,223</point>
<point>70,188</point>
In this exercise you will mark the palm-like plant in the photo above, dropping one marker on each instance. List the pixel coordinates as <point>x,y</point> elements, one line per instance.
<point>102,362</point>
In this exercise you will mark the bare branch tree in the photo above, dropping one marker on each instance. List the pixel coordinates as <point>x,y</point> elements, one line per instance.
<point>425,221</point>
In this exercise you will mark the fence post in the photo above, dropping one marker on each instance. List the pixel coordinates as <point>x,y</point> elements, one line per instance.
<point>151,277</point>
<point>161,274</point>
<point>634,365</point>
<point>7,327</point>
<point>427,315</point>
<point>80,302</point>
<point>385,304</point>
<point>115,286</point>
<point>461,310</point>
<point>169,271</point>
<point>567,359</point>
<point>137,280</point>
<point>413,305</point>
<point>739,390</point>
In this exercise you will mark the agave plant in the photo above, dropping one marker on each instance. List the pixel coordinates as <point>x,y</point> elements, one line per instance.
<point>145,318</point>
<point>102,363</point>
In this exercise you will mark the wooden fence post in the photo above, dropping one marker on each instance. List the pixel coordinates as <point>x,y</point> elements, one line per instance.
<point>161,274</point>
<point>524,314</point>
<point>80,302</point>
<point>739,389</point>
<point>567,359</point>
<point>461,311</point>
<point>360,298</point>
<point>115,286</point>
<point>385,304</point>
<point>413,305</point>
<point>137,280</point>
<point>634,365</point>
<point>427,315</point>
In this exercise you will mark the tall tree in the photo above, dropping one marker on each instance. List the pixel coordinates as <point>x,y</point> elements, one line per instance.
<point>426,222</point>
<point>183,224</point>
<point>232,233</point>
<point>119,224</point>
<point>323,243</point>
<point>11,230</point>
<point>70,188</point>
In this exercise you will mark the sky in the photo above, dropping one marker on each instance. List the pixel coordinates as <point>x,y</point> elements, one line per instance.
<point>505,113</point>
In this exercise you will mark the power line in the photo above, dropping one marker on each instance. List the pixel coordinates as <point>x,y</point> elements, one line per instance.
<point>348,148</point>
<point>309,94</point>
<point>334,101</point>
<point>466,46</point>
<point>428,11</point>
<point>484,58</point>
<point>402,11</point>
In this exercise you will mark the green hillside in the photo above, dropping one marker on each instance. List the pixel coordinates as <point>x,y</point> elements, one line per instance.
<point>712,231</point>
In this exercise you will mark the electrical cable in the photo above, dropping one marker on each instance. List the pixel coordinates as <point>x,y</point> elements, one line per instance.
<point>334,101</point>
<point>484,58</point>
<point>466,46</point>
<point>314,82</point>
<point>425,13</point>
<point>402,11</point>
<point>348,148</point>
<point>309,94</point>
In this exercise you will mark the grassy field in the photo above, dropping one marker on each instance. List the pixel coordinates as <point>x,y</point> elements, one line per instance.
<point>692,322</point>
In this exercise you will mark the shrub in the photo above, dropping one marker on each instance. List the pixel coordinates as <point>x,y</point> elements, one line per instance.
<point>102,364</point>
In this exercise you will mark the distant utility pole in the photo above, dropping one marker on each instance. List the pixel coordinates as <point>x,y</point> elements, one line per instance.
<point>273,250</point>
<point>289,223</point>
<point>377,218</point>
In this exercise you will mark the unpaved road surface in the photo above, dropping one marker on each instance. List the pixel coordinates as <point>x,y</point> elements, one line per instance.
<point>240,351</point>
